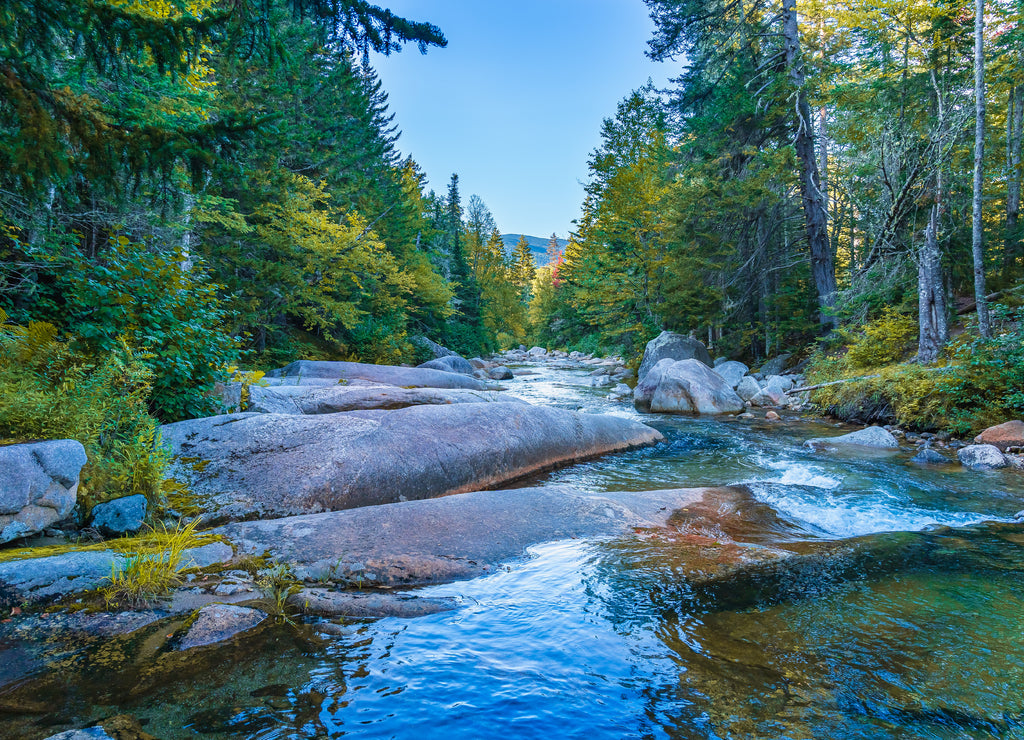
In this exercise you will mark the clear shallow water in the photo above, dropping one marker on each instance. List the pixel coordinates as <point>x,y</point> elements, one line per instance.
<point>607,639</point>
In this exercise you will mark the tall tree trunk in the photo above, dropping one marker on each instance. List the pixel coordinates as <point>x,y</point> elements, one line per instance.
<point>931,299</point>
<point>815,214</point>
<point>977,248</point>
<point>1014,136</point>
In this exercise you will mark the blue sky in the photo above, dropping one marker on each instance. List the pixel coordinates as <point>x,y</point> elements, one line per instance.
<point>514,103</point>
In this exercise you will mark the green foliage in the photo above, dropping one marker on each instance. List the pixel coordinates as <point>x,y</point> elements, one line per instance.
<point>52,388</point>
<point>883,341</point>
<point>149,573</point>
<point>980,386</point>
<point>988,387</point>
<point>159,305</point>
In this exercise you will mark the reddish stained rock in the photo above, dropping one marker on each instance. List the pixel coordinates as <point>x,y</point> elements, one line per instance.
<point>1004,436</point>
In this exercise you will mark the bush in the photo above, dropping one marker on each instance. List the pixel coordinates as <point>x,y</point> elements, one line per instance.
<point>51,389</point>
<point>883,341</point>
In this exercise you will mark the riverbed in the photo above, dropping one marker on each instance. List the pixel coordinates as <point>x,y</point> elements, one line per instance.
<point>605,639</point>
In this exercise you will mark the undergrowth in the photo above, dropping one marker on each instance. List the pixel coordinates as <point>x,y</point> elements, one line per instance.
<point>979,382</point>
<point>51,389</point>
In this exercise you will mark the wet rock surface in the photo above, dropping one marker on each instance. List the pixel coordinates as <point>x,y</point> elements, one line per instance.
<point>982,457</point>
<point>447,538</point>
<point>218,623</point>
<point>685,386</point>
<point>326,603</point>
<point>242,466</point>
<point>38,485</point>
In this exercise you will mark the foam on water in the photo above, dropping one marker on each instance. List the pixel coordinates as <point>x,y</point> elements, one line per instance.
<point>809,494</point>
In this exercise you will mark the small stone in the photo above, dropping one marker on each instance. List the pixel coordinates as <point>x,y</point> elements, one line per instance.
<point>746,415</point>
<point>928,456</point>
<point>772,416</point>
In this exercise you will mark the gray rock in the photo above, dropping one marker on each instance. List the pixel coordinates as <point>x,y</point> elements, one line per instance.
<point>89,733</point>
<point>782,382</point>
<point>732,371</point>
<point>747,388</point>
<point>776,365</point>
<point>120,516</point>
<point>928,456</point>
<point>38,485</point>
<point>671,346</point>
<point>218,623</point>
<point>869,437</point>
<point>46,578</point>
<point>435,349</point>
<point>276,465</point>
<point>620,391</point>
<point>500,373</point>
<point>404,377</point>
<point>229,395</point>
<point>450,364</point>
<point>479,363</point>
<point>537,352</point>
<point>447,538</point>
<point>334,399</point>
<point>981,457</point>
<point>325,603</point>
<point>769,396</point>
<point>271,401</point>
<point>720,361</point>
<point>685,386</point>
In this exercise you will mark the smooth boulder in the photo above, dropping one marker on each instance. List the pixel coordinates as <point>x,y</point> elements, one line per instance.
<point>776,365</point>
<point>447,538</point>
<point>241,466</point>
<point>334,398</point>
<point>982,457</point>
<point>323,371</point>
<point>450,364</point>
<point>928,456</point>
<point>38,485</point>
<point>685,386</point>
<point>747,388</point>
<point>732,372</point>
<point>671,346</point>
<point>1005,436</point>
<point>500,373</point>
<point>875,437</point>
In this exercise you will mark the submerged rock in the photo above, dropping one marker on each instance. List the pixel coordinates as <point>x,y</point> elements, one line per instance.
<point>875,437</point>
<point>685,386</point>
<point>982,457</point>
<point>405,377</point>
<point>121,516</point>
<point>1003,436</point>
<point>89,733</point>
<point>244,465</point>
<point>325,603</point>
<point>38,485</point>
<point>218,623</point>
<point>671,346</point>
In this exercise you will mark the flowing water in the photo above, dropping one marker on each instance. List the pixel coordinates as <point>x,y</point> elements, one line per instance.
<point>608,639</point>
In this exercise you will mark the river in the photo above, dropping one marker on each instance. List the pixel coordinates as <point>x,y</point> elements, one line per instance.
<point>605,639</point>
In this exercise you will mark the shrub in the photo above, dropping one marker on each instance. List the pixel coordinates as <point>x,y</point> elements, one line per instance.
<point>51,389</point>
<point>883,341</point>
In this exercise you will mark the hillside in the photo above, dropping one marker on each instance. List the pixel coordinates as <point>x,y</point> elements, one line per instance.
<point>538,245</point>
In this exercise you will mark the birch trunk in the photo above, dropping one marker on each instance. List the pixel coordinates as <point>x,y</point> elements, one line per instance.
<point>1015,134</point>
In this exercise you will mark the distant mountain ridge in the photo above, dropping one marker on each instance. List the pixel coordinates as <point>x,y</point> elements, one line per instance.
<point>538,246</point>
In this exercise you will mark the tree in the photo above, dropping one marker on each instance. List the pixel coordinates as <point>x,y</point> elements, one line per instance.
<point>977,235</point>
<point>523,267</point>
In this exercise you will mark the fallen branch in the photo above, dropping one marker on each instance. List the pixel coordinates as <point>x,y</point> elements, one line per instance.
<point>831,382</point>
